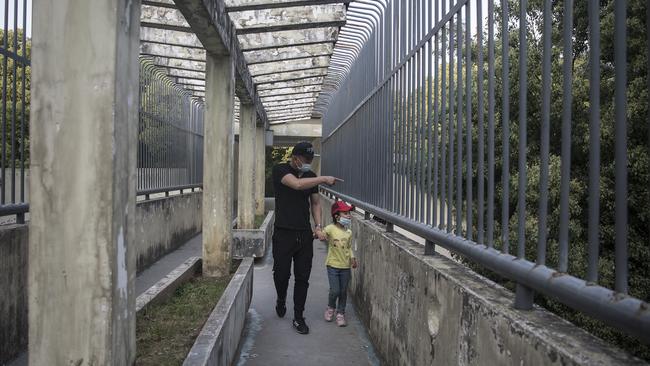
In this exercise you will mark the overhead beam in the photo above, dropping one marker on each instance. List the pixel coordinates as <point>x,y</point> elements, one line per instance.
<point>288,27</point>
<point>315,80</point>
<point>276,39</point>
<point>214,28</point>
<point>290,59</point>
<point>284,87</point>
<point>177,28</point>
<point>230,7</point>
<point>159,4</point>
<point>299,44</point>
<point>291,79</point>
<point>171,44</point>
<point>291,70</point>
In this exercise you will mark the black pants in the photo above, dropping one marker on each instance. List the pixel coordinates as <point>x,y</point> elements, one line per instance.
<point>298,246</point>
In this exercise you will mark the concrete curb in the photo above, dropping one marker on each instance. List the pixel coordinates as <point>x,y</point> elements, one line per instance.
<point>219,339</point>
<point>165,288</point>
<point>253,242</point>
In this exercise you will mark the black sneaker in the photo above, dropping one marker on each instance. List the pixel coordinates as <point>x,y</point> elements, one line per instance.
<point>280,309</point>
<point>301,326</point>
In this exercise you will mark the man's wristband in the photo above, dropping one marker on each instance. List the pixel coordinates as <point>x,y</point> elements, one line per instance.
<point>318,227</point>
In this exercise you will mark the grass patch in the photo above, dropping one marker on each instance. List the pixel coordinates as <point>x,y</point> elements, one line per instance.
<point>259,220</point>
<point>166,332</point>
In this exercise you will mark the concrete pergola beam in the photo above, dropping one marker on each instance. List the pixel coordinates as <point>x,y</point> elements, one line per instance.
<point>291,84</point>
<point>213,27</point>
<point>273,54</point>
<point>290,76</point>
<point>282,65</point>
<point>287,38</point>
<point>243,5</point>
<point>156,35</point>
<point>283,19</point>
<point>289,91</point>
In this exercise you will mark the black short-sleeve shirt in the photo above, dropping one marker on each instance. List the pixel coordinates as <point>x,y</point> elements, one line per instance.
<point>291,206</point>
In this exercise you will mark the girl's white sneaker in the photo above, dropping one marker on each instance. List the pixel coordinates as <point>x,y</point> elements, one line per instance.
<point>329,314</point>
<point>340,320</point>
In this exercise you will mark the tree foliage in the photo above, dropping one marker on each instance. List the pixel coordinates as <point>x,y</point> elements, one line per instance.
<point>15,77</point>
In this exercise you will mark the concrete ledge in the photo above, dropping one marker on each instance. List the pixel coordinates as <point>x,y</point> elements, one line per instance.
<point>165,288</point>
<point>253,243</point>
<point>218,341</point>
<point>431,310</point>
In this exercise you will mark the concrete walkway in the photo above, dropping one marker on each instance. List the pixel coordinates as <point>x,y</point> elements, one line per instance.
<point>269,340</point>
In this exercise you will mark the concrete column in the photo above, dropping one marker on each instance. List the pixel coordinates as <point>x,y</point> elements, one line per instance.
<point>218,164</point>
<point>246,186</point>
<point>84,117</point>
<point>260,164</point>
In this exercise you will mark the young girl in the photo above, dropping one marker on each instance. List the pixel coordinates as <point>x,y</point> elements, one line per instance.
<point>339,260</point>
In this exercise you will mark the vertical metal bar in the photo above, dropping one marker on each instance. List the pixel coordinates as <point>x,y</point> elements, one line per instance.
<point>411,119</point>
<point>481,128</point>
<point>620,145</point>
<point>566,134</point>
<point>4,104</point>
<point>545,136</point>
<point>13,109</point>
<point>23,102</point>
<point>430,126</point>
<point>403,145</point>
<point>450,193</point>
<point>423,117</point>
<point>505,180</point>
<point>490,128</point>
<point>523,90</point>
<point>459,124</point>
<point>434,90</point>
<point>443,117</point>
<point>468,118</point>
<point>594,139</point>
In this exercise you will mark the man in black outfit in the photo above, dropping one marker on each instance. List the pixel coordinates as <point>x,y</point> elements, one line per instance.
<point>296,191</point>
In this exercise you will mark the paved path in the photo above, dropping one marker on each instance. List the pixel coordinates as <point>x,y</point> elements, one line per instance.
<point>269,340</point>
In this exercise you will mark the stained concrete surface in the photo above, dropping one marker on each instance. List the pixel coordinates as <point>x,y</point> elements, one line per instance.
<point>269,340</point>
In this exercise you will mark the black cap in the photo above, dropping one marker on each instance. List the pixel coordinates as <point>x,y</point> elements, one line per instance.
<point>303,149</point>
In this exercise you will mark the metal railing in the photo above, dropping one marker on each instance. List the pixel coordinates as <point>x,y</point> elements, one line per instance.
<point>170,134</point>
<point>414,131</point>
<point>15,50</point>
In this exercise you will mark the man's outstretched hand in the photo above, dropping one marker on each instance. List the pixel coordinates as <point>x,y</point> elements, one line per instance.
<point>329,180</point>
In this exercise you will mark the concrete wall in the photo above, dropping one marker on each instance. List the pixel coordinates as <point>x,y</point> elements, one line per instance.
<point>13,294</point>
<point>218,341</point>
<point>164,224</point>
<point>433,311</point>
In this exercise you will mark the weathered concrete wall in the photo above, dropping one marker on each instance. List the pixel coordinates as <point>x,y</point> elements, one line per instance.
<point>13,291</point>
<point>433,311</point>
<point>253,242</point>
<point>219,339</point>
<point>164,224</point>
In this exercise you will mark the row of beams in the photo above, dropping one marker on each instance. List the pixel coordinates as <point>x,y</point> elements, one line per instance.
<point>213,27</point>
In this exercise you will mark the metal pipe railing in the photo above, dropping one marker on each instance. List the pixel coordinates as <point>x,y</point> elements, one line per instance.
<point>406,130</point>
